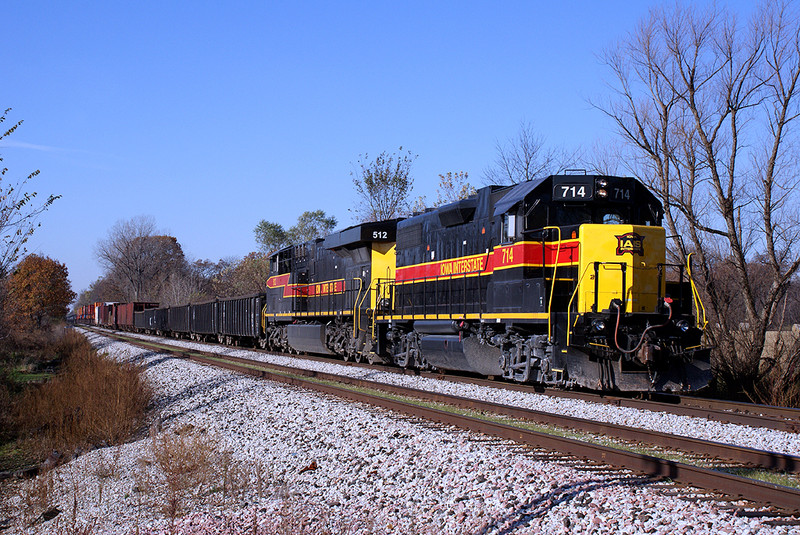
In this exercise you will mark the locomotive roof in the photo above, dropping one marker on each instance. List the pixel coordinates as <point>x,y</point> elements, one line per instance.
<point>517,194</point>
<point>357,235</point>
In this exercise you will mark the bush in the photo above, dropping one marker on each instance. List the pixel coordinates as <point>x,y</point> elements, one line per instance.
<point>186,467</point>
<point>93,401</point>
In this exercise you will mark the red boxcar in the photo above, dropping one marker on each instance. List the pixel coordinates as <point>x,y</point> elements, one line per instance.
<point>86,314</point>
<point>107,315</point>
<point>123,313</point>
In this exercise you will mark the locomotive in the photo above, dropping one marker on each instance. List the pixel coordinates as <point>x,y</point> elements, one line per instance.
<point>560,281</point>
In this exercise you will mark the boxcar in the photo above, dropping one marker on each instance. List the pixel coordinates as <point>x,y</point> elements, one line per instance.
<point>106,314</point>
<point>124,313</point>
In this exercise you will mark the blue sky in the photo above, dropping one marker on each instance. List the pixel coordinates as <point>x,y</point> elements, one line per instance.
<point>210,116</point>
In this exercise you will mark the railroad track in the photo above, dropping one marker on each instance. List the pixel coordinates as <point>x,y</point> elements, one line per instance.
<point>417,404</point>
<point>733,412</point>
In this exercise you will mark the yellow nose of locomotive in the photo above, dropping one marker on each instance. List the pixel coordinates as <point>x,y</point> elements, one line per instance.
<point>620,262</point>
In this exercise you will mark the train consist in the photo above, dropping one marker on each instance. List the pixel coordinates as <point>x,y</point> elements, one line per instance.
<point>560,281</point>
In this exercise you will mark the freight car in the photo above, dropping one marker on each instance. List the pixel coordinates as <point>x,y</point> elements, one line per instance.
<point>561,281</point>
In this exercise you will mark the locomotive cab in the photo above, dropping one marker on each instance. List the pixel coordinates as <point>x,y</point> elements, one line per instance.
<point>624,308</point>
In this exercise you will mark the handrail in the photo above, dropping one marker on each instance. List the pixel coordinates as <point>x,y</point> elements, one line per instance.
<point>438,278</point>
<point>698,303</point>
<point>569,305</point>
<point>553,286</point>
<point>356,316</point>
<point>357,321</point>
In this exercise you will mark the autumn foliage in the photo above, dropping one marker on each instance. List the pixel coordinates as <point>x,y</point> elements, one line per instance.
<point>37,290</point>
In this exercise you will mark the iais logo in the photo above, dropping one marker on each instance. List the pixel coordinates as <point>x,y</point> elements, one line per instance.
<point>630,243</point>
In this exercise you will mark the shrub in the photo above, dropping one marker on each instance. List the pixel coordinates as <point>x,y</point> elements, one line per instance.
<point>93,401</point>
<point>187,466</point>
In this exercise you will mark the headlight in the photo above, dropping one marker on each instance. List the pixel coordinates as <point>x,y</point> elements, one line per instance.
<point>683,326</point>
<point>601,182</point>
<point>602,193</point>
<point>599,325</point>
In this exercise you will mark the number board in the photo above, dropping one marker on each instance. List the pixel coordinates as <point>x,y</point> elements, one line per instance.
<point>573,189</point>
<point>619,192</point>
<point>379,231</point>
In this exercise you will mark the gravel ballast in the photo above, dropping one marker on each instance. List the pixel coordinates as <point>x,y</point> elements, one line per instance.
<point>699,428</point>
<point>282,458</point>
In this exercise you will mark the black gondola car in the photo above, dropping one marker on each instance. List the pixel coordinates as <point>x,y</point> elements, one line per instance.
<point>203,319</point>
<point>153,320</point>
<point>240,319</point>
<point>178,320</point>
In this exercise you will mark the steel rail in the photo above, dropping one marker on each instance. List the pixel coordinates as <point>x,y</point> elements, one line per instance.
<point>749,489</point>
<point>738,413</point>
<point>752,490</point>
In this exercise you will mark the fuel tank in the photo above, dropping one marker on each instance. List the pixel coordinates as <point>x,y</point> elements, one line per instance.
<point>308,339</point>
<point>452,352</point>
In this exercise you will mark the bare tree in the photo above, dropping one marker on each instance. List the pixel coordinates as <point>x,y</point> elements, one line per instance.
<point>526,157</point>
<point>140,261</point>
<point>383,186</point>
<point>18,211</point>
<point>707,107</point>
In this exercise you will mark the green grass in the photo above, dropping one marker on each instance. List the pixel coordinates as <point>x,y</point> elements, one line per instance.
<point>30,377</point>
<point>14,456</point>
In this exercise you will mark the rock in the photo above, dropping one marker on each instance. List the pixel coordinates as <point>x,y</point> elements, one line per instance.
<point>310,467</point>
<point>50,514</point>
<point>50,462</point>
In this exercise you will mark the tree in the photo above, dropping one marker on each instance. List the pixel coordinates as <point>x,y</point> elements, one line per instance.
<point>18,211</point>
<point>708,109</point>
<point>247,276</point>
<point>37,290</point>
<point>270,236</point>
<point>310,225</point>
<point>383,186</point>
<point>452,187</point>
<point>526,157</point>
<point>138,261</point>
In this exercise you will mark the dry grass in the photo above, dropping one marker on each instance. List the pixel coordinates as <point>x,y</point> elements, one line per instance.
<point>93,401</point>
<point>187,466</point>
<point>37,493</point>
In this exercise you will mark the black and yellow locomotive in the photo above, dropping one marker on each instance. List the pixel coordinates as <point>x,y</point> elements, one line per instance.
<point>560,281</point>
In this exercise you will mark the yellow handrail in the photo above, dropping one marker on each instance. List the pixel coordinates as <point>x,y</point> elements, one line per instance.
<point>356,309</point>
<point>553,286</point>
<point>569,305</point>
<point>698,303</point>
<point>356,316</point>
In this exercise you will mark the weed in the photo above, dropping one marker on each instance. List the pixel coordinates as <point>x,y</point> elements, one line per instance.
<point>188,466</point>
<point>93,401</point>
<point>36,495</point>
<point>105,468</point>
